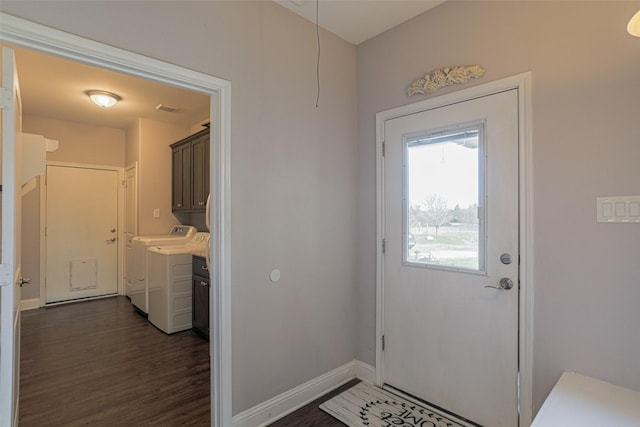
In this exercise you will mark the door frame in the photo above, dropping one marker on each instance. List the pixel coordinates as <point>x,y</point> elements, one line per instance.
<point>133,166</point>
<point>43,223</point>
<point>521,82</point>
<point>27,34</point>
<point>125,214</point>
<point>11,223</point>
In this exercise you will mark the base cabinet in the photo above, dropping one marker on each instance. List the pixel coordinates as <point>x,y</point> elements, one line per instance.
<point>200,300</point>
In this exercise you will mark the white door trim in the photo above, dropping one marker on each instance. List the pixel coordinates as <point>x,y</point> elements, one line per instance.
<point>522,82</point>
<point>34,36</point>
<point>43,223</point>
<point>10,267</point>
<point>133,166</point>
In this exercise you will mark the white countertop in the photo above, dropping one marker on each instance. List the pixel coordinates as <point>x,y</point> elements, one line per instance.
<point>582,401</point>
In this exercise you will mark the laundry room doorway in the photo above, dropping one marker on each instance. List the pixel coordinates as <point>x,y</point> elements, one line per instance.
<point>22,33</point>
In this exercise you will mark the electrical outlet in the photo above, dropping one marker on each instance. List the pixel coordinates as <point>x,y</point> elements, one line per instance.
<point>156,213</point>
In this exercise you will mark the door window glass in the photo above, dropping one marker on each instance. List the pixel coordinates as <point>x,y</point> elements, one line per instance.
<point>444,198</point>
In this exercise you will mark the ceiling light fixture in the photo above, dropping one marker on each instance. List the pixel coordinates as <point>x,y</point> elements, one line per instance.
<point>634,25</point>
<point>103,99</point>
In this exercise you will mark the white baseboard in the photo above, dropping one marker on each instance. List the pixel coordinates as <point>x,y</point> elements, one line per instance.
<point>289,401</point>
<point>29,304</point>
<point>364,371</point>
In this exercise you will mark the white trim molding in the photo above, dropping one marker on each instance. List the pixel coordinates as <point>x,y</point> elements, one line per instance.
<point>23,33</point>
<point>29,304</point>
<point>521,82</point>
<point>282,405</point>
<point>364,372</point>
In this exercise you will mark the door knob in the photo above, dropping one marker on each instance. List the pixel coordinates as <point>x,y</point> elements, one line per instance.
<point>111,240</point>
<point>504,285</point>
<point>24,281</point>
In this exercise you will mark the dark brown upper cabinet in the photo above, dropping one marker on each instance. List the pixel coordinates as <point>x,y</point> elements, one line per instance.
<point>190,173</point>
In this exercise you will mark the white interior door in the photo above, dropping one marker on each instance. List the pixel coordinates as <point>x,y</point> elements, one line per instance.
<point>451,230</point>
<point>11,237</point>
<point>130,222</point>
<point>131,202</point>
<point>81,232</point>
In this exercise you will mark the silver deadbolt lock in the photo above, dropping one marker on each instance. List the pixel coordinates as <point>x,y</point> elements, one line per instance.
<point>505,259</point>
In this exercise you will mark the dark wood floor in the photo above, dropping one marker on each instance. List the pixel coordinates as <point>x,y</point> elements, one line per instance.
<point>99,363</point>
<point>312,416</point>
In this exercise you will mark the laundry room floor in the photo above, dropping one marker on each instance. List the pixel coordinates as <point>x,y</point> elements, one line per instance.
<point>101,363</point>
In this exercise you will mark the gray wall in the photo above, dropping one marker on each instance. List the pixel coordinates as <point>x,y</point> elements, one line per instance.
<point>30,250</point>
<point>154,173</point>
<point>293,171</point>
<point>303,190</point>
<point>79,142</point>
<point>586,109</point>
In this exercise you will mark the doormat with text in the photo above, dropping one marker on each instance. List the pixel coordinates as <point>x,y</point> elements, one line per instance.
<point>364,405</point>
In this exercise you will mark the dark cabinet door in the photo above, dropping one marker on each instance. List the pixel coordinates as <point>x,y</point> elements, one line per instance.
<point>200,307</point>
<point>200,296</point>
<point>190,173</point>
<point>200,172</point>
<point>181,177</point>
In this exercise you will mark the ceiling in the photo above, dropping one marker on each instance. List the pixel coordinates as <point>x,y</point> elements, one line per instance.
<point>359,20</point>
<point>56,88</point>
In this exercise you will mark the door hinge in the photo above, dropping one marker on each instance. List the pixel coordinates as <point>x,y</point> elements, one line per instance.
<point>6,98</point>
<point>383,343</point>
<point>384,146</point>
<point>384,245</point>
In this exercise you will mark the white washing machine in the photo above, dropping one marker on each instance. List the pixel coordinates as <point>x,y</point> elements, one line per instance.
<point>170,295</point>
<point>137,259</point>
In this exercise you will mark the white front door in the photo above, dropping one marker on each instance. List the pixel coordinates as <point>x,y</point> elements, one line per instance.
<point>451,230</point>
<point>81,232</point>
<point>11,237</point>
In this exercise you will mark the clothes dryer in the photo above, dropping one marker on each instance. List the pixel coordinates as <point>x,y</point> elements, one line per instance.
<point>170,293</point>
<point>137,257</point>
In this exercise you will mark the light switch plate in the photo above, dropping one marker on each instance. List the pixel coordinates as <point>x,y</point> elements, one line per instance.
<point>618,209</point>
